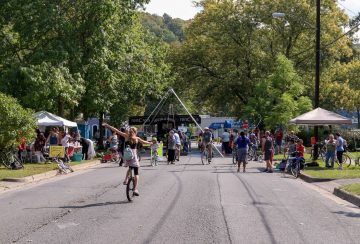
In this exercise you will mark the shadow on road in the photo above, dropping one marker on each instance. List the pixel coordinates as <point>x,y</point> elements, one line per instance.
<point>348,214</point>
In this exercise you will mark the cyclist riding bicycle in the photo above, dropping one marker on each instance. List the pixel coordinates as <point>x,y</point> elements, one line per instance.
<point>206,141</point>
<point>254,143</point>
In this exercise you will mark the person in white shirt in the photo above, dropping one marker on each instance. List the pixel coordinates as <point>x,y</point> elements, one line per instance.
<point>65,142</point>
<point>178,145</point>
<point>225,141</point>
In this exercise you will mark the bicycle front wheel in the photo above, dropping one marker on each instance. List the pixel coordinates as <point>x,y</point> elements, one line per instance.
<point>346,160</point>
<point>130,187</point>
<point>295,168</point>
<point>234,158</point>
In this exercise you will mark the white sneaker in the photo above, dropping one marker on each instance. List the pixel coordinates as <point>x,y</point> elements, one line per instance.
<point>136,193</point>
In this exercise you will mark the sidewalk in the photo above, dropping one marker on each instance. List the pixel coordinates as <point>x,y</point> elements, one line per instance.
<point>333,186</point>
<point>12,183</point>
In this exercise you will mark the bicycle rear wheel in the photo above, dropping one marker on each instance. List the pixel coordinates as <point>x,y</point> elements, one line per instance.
<point>130,189</point>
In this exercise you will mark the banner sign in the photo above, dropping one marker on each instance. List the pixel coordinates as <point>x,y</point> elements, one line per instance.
<point>57,151</point>
<point>178,119</point>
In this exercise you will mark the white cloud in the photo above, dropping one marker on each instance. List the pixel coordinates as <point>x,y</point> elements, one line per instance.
<point>183,9</point>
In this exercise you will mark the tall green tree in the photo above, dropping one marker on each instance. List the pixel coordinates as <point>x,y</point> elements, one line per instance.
<point>16,122</point>
<point>231,47</point>
<point>279,97</point>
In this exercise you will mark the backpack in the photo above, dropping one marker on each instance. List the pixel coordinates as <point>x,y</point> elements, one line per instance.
<point>282,165</point>
<point>128,154</point>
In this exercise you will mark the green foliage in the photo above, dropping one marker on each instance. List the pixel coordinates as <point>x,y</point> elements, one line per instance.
<point>16,122</point>
<point>280,97</point>
<point>166,28</point>
<point>75,57</point>
<point>230,48</point>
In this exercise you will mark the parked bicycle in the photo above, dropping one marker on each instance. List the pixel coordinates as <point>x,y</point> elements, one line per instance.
<point>321,152</point>
<point>63,166</point>
<point>10,160</point>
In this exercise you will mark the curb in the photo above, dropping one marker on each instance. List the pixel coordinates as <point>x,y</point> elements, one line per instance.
<point>50,174</point>
<point>310,179</point>
<point>347,196</point>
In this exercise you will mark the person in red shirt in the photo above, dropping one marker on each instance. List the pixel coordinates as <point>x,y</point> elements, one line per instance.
<point>278,140</point>
<point>300,147</point>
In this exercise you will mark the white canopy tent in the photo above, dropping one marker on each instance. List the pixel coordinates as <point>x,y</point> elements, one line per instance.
<point>320,116</point>
<point>48,119</point>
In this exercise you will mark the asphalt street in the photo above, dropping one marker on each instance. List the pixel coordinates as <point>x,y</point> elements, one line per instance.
<point>183,203</point>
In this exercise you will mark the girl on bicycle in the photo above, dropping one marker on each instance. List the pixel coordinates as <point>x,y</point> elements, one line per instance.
<point>132,140</point>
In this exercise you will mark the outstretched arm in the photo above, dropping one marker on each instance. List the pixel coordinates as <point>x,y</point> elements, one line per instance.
<point>115,130</point>
<point>143,141</point>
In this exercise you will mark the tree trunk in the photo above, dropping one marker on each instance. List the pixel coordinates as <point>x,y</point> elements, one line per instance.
<point>101,130</point>
<point>60,107</point>
<point>358,116</point>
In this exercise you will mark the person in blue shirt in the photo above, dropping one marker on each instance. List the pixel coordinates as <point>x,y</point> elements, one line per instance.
<point>242,143</point>
<point>339,149</point>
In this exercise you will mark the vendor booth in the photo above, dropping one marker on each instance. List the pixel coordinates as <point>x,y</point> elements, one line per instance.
<point>45,119</point>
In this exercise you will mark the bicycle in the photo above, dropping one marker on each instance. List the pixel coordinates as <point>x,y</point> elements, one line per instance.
<point>130,186</point>
<point>252,154</point>
<point>205,154</point>
<point>154,158</point>
<point>346,160</point>
<point>234,155</point>
<point>321,152</point>
<point>295,164</point>
<point>63,166</point>
<point>10,160</point>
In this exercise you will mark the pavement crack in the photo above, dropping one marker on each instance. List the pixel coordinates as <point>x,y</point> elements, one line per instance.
<point>168,211</point>
<point>222,207</point>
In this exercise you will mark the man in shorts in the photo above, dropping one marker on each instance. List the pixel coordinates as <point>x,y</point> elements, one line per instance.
<point>267,149</point>
<point>206,140</point>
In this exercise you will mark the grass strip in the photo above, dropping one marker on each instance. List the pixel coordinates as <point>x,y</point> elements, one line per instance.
<point>352,188</point>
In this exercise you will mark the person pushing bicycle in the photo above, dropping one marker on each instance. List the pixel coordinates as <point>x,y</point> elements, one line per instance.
<point>206,140</point>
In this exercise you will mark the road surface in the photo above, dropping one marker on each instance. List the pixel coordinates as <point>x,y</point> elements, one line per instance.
<point>183,203</point>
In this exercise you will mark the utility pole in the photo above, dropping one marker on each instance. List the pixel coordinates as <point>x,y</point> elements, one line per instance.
<point>317,72</point>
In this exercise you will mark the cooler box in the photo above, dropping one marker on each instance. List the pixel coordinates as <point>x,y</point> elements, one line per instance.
<point>77,157</point>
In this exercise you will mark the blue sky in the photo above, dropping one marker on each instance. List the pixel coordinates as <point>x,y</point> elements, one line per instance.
<point>184,9</point>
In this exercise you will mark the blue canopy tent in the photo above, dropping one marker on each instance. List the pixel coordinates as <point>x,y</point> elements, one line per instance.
<point>218,125</point>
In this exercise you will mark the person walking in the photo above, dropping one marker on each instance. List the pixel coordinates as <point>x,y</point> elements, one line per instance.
<point>242,143</point>
<point>278,138</point>
<point>267,149</point>
<point>330,146</point>
<point>339,149</point>
<point>226,140</point>
<point>178,145</point>
<point>171,147</point>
